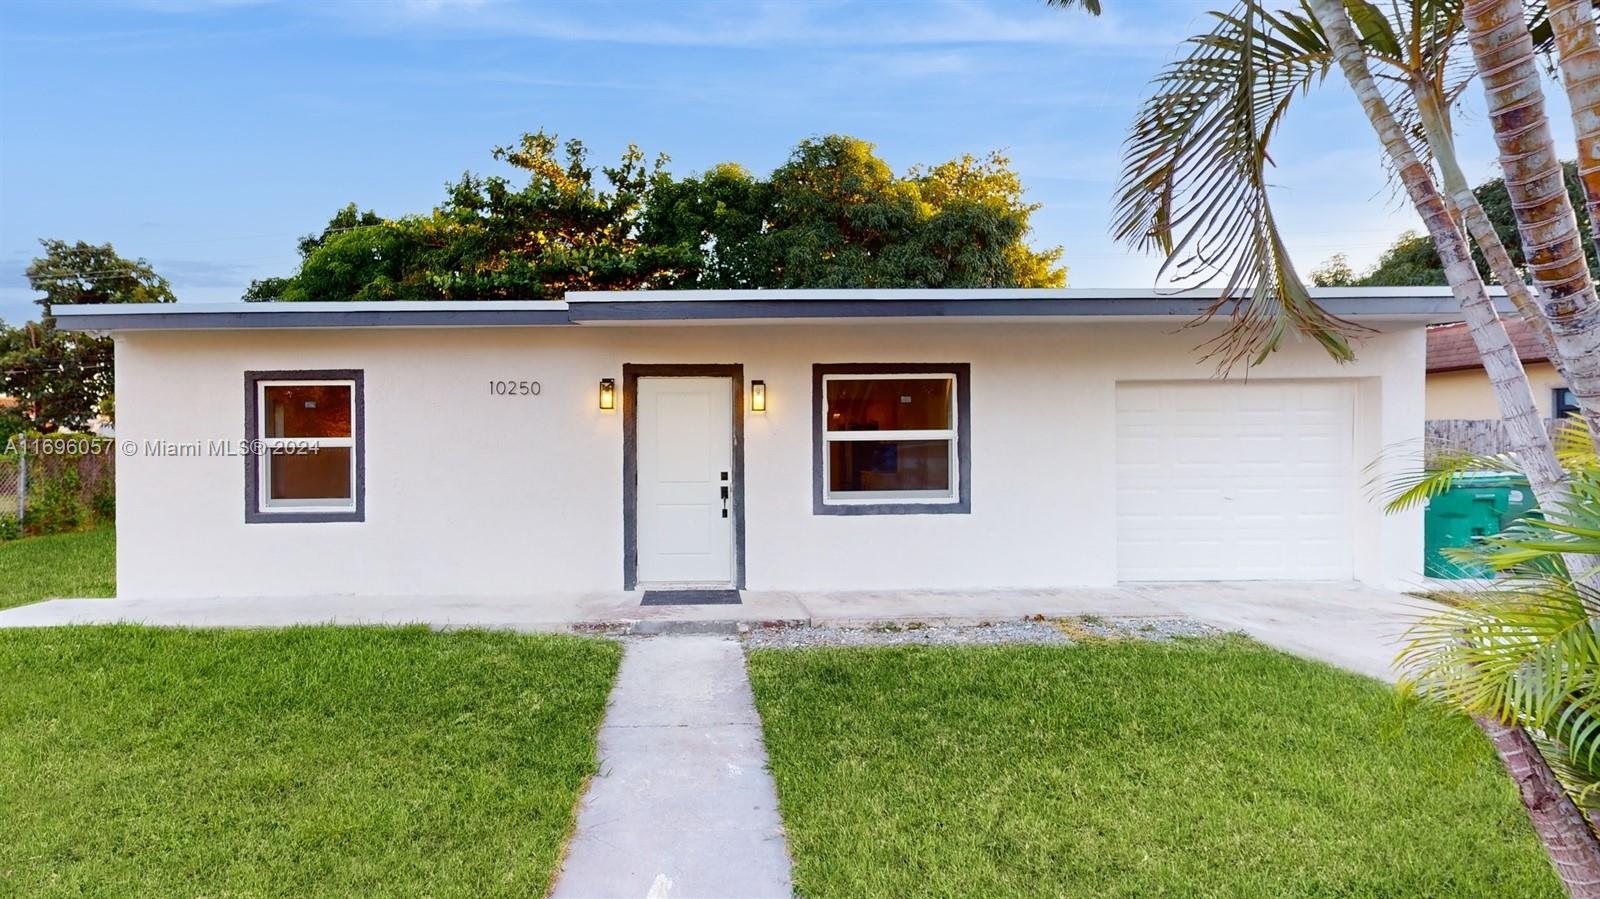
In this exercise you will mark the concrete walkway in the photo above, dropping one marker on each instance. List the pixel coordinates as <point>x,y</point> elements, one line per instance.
<point>1344,623</point>
<point>684,806</point>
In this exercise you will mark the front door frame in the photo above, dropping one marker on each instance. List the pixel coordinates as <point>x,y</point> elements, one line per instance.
<point>631,374</point>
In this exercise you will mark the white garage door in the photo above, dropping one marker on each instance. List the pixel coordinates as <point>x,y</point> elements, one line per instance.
<point>1247,481</point>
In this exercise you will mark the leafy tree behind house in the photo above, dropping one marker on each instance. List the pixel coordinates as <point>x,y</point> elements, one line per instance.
<point>834,215</point>
<point>70,273</point>
<point>1412,261</point>
<point>59,379</point>
<point>346,219</point>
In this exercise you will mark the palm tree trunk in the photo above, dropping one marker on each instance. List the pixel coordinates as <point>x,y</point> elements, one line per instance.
<point>1574,851</point>
<point>1458,193</point>
<point>1500,361</point>
<point>1503,51</point>
<point>1579,51</point>
<point>1565,832</point>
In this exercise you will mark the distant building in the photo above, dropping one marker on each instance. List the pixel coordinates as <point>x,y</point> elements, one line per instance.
<point>1459,388</point>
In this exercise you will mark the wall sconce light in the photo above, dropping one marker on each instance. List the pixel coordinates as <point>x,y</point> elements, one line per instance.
<point>758,396</point>
<point>608,393</point>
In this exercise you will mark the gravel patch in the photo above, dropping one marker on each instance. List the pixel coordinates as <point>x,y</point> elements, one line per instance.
<point>1062,632</point>
<point>1157,629</point>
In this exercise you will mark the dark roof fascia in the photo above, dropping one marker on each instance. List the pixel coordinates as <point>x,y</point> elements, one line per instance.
<point>1162,307</point>
<point>701,307</point>
<point>1478,366</point>
<point>234,321</point>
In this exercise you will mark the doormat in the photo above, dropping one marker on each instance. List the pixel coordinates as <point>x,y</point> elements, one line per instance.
<point>691,598</point>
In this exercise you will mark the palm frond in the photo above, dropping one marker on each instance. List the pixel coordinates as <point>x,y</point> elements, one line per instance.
<point>1580,778</point>
<point>1092,7</point>
<point>1377,33</point>
<point>1442,472</point>
<point>1194,184</point>
<point>1575,446</point>
<point>1567,531</point>
<point>1525,654</point>
<point>1528,656</point>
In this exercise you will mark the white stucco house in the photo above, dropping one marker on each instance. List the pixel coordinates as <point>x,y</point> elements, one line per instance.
<point>772,440</point>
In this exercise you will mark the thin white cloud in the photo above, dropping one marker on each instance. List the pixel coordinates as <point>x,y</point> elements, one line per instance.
<point>711,24</point>
<point>456,78</point>
<point>920,64</point>
<point>189,7</point>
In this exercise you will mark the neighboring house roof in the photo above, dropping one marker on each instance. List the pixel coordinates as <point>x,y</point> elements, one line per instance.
<point>1372,304</point>
<point>1450,347</point>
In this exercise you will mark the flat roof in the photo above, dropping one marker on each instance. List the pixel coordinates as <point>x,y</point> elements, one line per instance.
<point>1430,305</point>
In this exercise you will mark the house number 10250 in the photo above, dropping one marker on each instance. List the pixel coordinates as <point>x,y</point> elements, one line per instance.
<point>514,388</point>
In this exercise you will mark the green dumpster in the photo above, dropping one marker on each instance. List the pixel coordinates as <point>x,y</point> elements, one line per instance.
<point>1480,504</point>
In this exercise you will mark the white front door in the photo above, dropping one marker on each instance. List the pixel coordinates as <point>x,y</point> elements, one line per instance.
<point>685,469</point>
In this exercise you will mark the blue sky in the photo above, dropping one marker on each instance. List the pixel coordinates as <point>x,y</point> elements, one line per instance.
<point>207,135</point>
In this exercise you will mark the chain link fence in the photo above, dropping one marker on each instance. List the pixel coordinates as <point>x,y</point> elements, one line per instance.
<point>13,485</point>
<point>57,483</point>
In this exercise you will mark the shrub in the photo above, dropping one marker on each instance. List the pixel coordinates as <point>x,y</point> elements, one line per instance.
<point>53,503</point>
<point>12,424</point>
<point>9,528</point>
<point>103,503</point>
<point>71,482</point>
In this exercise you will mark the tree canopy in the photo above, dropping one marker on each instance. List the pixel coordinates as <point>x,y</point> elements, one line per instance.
<point>59,379</point>
<point>93,273</point>
<point>1411,260</point>
<point>833,215</point>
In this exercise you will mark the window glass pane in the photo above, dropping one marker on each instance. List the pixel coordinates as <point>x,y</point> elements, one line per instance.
<point>324,474</point>
<point>1566,402</point>
<point>889,404</point>
<point>900,465</point>
<point>312,410</point>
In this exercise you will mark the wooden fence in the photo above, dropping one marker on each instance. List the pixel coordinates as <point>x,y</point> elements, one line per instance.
<point>1479,436</point>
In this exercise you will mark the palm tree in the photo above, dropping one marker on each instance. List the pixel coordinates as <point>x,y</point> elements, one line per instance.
<point>1573,33</point>
<point>1522,657</point>
<point>1194,185</point>
<point>1562,828</point>
<point>1194,188</point>
<point>1503,49</point>
<point>1426,67</point>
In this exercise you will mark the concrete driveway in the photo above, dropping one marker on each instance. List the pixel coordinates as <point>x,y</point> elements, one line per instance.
<point>1347,624</point>
<point>1354,627</point>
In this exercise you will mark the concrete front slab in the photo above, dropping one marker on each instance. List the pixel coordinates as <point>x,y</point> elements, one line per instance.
<point>1344,623</point>
<point>684,805</point>
<point>973,606</point>
<point>614,612</point>
<point>618,611</point>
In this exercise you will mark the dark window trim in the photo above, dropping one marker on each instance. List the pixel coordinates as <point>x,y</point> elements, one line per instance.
<point>963,375</point>
<point>252,431</point>
<point>1563,402</point>
<point>630,459</point>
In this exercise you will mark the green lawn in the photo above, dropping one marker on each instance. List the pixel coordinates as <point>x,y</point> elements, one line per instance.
<point>78,564</point>
<point>299,763</point>
<point>1201,768</point>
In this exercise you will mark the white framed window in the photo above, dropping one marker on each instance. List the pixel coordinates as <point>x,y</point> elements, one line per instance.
<point>891,439</point>
<point>305,432</point>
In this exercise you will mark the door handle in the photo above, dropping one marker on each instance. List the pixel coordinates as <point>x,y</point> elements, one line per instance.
<point>724,500</point>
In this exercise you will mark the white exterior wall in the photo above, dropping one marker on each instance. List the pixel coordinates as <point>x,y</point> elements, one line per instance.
<point>468,493</point>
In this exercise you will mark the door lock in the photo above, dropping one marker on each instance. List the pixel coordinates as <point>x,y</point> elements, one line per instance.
<point>724,500</point>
